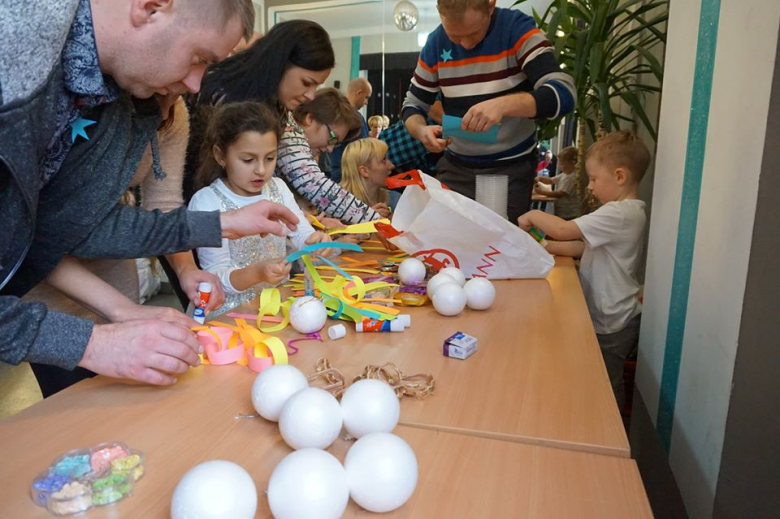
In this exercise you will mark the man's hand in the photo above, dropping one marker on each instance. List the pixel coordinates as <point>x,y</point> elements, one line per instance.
<point>273,271</point>
<point>483,116</point>
<point>430,137</point>
<point>148,351</point>
<point>261,218</point>
<point>190,278</point>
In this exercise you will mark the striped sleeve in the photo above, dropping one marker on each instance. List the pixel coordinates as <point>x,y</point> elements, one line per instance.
<point>425,82</point>
<point>553,89</point>
<point>296,164</point>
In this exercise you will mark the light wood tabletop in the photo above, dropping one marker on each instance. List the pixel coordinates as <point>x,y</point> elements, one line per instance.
<point>537,378</point>
<point>194,421</point>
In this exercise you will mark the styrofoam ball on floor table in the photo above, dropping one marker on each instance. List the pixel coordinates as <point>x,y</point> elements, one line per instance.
<point>382,472</point>
<point>310,418</point>
<point>308,484</point>
<point>370,406</point>
<point>411,271</point>
<point>455,273</point>
<point>449,299</point>
<point>214,490</point>
<point>480,293</point>
<point>308,314</point>
<point>273,387</point>
<point>438,280</point>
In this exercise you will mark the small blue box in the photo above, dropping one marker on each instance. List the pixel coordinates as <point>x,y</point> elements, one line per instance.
<point>460,346</point>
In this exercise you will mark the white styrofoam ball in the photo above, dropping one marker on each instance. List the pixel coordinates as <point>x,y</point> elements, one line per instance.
<point>273,386</point>
<point>308,314</point>
<point>455,273</point>
<point>308,484</point>
<point>449,299</point>
<point>438,280</point>
<point>370,406</point>
<point>411,271</point>
<point>213,490</point>
<point>480,293</point>
<point>310,418</point>
<point>382,472</point>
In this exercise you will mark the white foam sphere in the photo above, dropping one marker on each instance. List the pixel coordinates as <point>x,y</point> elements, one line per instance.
<point>370,406</point>
<point>455,273</point>
<point>449,299</point>
<point>308,484</point>
<point>382,472</point>
<point>438,280</point>
<point>213,490</point>
<point>308,314</point>
<point>480,293</point>
<point>310,418</point>
<point>273,386</point>
<point>411,271</point>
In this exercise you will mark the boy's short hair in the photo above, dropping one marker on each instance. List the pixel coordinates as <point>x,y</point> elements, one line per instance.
<point>568,154</point>
<point>329,106</point>
<point>456,8</point>
<point>375,120</point>
<point>621,149</point>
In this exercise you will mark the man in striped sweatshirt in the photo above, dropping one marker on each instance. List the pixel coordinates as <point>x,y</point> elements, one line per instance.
<point>492,66</point>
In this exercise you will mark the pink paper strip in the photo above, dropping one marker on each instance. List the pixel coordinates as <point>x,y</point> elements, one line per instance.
<point>250,317</point>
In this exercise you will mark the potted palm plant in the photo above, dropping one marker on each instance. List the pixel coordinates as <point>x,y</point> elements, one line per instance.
<point>609,47</point>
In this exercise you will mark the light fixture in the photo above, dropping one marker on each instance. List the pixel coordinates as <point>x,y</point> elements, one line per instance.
<point>406,15</point>
<point>559,33</point>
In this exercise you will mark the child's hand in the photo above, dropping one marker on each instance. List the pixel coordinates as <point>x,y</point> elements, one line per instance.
<point>349,238</point>
<point>524,221</point>
<point>320,237</point>
<point>383,210</point>
<point>273,271</point>
<point>328,222</point>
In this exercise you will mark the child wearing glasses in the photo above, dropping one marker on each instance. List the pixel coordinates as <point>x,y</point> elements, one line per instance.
<point>237,165</point>
<point>315,126</point>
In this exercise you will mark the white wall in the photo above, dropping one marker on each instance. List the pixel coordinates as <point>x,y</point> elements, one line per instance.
<point>743,68</point>
<point>342,48</point>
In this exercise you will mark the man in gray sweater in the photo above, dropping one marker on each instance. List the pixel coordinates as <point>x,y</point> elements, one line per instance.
<point>77,79</point>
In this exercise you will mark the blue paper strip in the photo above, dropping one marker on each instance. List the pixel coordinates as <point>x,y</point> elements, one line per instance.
<point>451,128</point>
<point>326,245</point>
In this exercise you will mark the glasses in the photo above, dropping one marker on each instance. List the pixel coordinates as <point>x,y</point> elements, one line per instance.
<point>333,139</point>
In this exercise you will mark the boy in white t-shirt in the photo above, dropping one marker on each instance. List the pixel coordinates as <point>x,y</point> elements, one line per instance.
<point>562,186</point>
<point>609,240</point>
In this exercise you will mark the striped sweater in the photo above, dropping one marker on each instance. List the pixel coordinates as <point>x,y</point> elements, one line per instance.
<point>514,57</point>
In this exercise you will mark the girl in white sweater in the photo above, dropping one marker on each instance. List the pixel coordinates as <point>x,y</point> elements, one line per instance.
<point>237,167</point>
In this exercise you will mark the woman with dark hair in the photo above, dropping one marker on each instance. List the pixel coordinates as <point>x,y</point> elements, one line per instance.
<point>283,70</point>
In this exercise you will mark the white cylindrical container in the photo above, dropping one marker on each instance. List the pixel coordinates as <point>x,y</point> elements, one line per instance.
<point>492,192</point>
<point>337,331</point>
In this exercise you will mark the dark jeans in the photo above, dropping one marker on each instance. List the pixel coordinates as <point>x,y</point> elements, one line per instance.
<point>461,178</point>
<point>53,379</point>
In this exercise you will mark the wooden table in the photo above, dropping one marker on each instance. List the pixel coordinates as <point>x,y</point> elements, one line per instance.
<point>535,197</point>
<point>537,378</point>
<point>460,476</point>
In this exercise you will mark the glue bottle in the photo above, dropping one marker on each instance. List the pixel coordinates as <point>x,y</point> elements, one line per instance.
<point>538,236</point>
<point>377,325</point>
<point>204,294</point>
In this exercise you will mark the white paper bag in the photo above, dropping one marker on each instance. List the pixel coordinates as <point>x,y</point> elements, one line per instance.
<point>446,229</point>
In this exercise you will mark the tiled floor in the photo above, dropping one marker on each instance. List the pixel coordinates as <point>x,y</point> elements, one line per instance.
<point>18,387</point>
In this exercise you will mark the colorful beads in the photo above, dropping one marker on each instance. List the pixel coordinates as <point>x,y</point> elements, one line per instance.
<point>84,478</point>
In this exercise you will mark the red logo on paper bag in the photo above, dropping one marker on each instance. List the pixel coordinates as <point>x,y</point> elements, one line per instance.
<point>437,259</point>
<point>487,262</point>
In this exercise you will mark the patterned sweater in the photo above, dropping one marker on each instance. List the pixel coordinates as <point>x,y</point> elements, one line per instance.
<point>295,163</point>
<point>513,57</point>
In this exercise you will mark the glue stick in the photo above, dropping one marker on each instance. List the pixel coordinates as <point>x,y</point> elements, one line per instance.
<point>377,325</point>
<point>308,282</point>
<point>204,293</point>
<point>538,236</point>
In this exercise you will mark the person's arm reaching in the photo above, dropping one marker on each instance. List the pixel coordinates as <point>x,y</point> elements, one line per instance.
<point>129,232</point>
<point>551,225</point>
<point>73,279</point>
